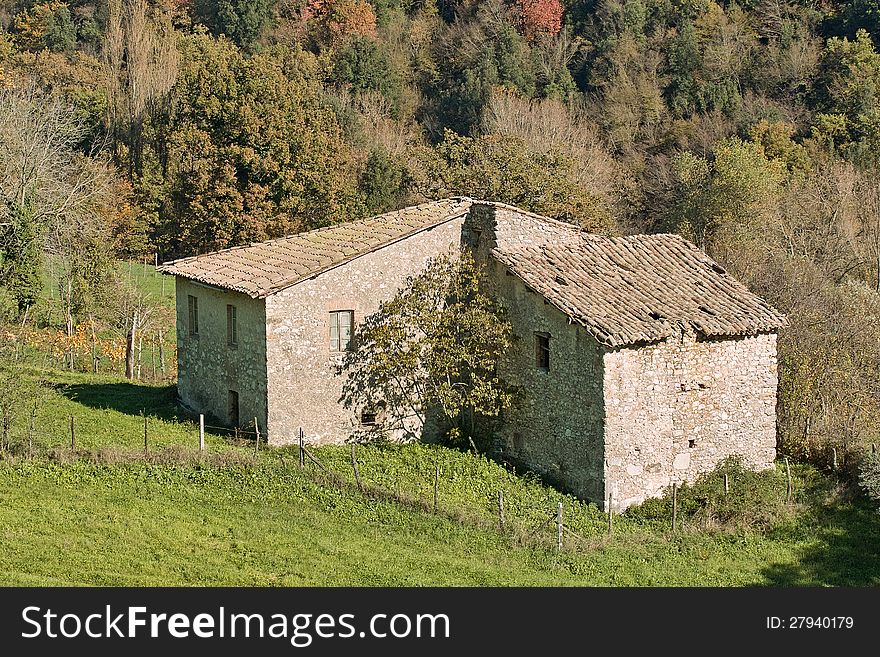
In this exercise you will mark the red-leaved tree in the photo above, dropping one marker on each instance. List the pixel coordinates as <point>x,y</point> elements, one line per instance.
<point>539,17</point>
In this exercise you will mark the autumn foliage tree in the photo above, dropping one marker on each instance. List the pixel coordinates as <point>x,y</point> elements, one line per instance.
<point>336,20</point>
<point>539,17</point>
<point>252,151</point>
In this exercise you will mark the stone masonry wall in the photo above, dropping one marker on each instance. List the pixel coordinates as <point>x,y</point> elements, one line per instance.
<point>303,389</point>
<point>677,408</point>
<point>208,368</point>
<point>556,425</point>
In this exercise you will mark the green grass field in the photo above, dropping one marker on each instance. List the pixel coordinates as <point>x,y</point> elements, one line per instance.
<point>264,521</point>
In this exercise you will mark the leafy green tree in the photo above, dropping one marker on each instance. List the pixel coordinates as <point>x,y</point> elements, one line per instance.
<point>252,150</point>
<point>363,66</point>
<point>432,348</point>
<point>504,168</point>
<point>243,21</point>
<point>733,197</point>
<point>847,96</point>
<point>382,183</point>
<point>46,25</point>
<point>21,258</point>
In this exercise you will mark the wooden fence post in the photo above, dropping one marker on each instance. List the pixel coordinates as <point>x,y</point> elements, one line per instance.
<point>559,525</point>
<point>354,466</point>
<point>201,432</point>
<point>302,453</point>
<point>501,509</point>
<point>436,487</point>
<point>257,430</point>
<point>834,459</point>
<point>72,434</point>
<point>787,481</point>
<point>146,449</point>
<point>726,484</point>
<point>610,513</point>
<point>674,506</point>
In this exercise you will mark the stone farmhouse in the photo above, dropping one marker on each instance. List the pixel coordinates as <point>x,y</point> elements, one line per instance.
<point>640,361</point>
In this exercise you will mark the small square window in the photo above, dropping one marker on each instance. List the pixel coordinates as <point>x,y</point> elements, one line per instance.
<point>542,351</point>
<point>368,417</point>
<point>341,329</point>
<point>231,325</point>
<point>692,444</point>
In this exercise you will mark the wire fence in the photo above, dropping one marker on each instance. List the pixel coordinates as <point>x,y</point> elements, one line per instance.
<point>557,524</point>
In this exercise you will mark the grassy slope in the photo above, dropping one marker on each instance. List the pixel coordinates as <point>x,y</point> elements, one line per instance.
<point>272,524</point>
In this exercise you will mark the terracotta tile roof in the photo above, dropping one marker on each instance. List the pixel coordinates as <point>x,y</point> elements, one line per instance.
<point>626,290</point>
<point>261,269</point>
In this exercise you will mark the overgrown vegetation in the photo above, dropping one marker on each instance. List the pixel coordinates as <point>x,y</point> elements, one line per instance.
<point>434,346</point>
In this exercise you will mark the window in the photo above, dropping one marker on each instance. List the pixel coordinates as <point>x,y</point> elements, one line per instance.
<point>341,328</point>
<point>232,410</point>
<point>193,307</point>
<point>231,325</point>
<point>542,351</point>
<point>373,415</point>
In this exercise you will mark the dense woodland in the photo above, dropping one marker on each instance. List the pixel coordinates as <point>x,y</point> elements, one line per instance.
<point>134,128</point>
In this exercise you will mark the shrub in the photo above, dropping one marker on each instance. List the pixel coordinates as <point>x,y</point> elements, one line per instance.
<point>869,476</point>
<point>755,499</point>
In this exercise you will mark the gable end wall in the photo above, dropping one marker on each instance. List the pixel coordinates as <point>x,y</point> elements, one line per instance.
<point>718,393</point>
<point>303,387</point>
<point>208,368</point>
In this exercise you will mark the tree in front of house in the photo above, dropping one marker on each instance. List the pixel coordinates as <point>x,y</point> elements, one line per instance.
<point>433,347</point>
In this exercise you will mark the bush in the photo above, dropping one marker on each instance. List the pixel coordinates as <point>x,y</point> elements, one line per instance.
<point>869,476</point>
<point>755,499</point>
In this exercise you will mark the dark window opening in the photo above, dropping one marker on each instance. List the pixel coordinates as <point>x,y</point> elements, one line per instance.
<point>542,351</point>
<point>231,325</point>
<point>692,444</point>
<point>232,410</point>
<point>368,418</point>
<point>341,329</point>
<point>193,314</point>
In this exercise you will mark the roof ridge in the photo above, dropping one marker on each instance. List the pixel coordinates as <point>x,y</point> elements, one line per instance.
<point>458,199</point>
<point>262,268</point>
<point>535,215</point>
